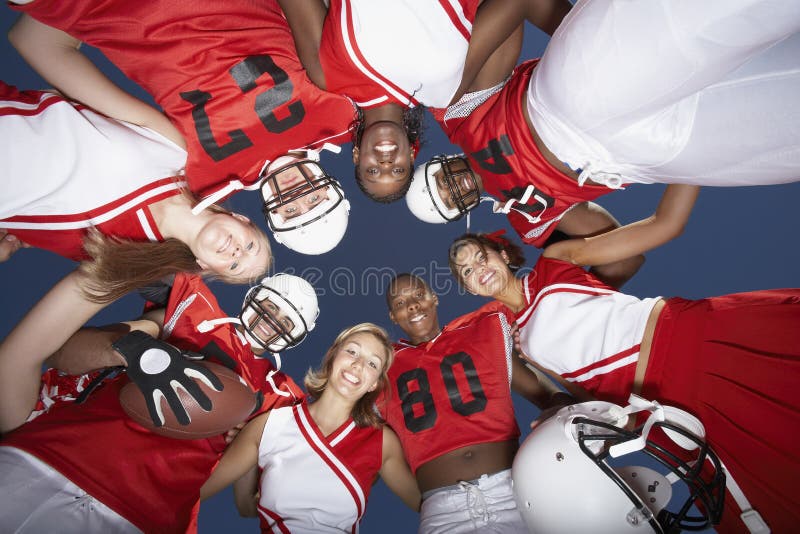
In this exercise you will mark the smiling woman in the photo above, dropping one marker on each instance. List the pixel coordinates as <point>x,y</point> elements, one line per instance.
<point>337,441</point>
<point>133,229</point>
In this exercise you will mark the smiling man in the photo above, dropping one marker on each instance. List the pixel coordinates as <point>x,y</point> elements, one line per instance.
<point>452,408</point>
<point>304,206</point>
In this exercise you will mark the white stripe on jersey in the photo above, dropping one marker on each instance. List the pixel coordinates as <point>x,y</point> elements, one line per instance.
<point>622,362</point>
<point>107,216</point>
<point>341,469</point>
<point>145,224</point>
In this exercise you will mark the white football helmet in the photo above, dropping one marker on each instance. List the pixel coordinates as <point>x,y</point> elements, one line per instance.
<point>279,312</point>
<point>317,230</point>
<point>569,476</point>
<point>423,196</point>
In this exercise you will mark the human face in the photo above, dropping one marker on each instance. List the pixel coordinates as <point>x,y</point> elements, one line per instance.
<point>295,179</point>
<point>384,158</point>
<point>357,366</point>
<point>231,247</point>
<point>269,323</point>
<point>483,273</point>
<point>412,306</point>
<point>457,186</point>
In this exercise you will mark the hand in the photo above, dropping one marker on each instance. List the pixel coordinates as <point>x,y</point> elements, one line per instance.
<point>231,434</point>
<point>517,345</point>
<point>9,244</point>
<point>154,366</point>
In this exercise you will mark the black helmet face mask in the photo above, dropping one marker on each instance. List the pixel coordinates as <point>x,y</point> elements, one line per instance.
<point>295,189</point>
<point>458,181</point>
<point>706,483</point>
<point>265,327</point>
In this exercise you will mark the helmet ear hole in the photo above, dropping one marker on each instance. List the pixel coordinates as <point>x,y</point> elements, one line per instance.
<point>423,197</point>
<point>571,450</point>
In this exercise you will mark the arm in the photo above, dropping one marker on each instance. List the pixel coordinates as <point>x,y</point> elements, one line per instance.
<point>246,493</point>
<point>665,224</point>
<point>496,21</point>
<point>588,219</point>
<point>305,18</point>
<point>42,331</point>
<point>56,56</point>
<point>239,458</point>
<point>396,473</point>
<point>534,386</point>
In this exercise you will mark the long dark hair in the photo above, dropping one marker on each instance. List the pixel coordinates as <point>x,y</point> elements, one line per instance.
<point>493,241</point>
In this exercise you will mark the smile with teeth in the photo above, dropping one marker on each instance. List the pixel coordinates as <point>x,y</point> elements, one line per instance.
<point>353,379</point>
<point>488,275</point>
<point>225,244</point>
<point>386,147</point>
<point>417,318</point>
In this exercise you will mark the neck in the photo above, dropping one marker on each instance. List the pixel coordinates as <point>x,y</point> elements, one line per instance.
<point>512,295</point>
<point>330,411</point>
<point>389,112</point>
<point>174,218</point>
<point>418,340</point>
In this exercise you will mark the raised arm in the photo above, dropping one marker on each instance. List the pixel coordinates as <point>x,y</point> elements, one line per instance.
<point>396,473</point>
<point>239,458</point>
<point>43,330</point>
<point>56,56</point>
<point>305,18</point>
<point>588,219</point>
<point>665,224</point>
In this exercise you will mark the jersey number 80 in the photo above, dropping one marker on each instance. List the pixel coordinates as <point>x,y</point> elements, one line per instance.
<point>423,395</point>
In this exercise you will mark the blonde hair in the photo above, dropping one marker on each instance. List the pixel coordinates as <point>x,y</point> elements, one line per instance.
<point>118,266</point>
<point>316,380</point>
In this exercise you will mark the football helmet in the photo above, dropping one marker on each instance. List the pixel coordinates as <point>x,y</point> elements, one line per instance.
<point>424,197</point>
<point>279,312</point>
<point>289,185</point>
<point>574,473</point>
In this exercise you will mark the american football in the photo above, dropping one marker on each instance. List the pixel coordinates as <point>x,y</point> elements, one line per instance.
<point>231,406</point>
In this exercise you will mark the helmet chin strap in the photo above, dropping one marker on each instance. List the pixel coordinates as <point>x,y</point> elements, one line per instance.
<point>275,388</point>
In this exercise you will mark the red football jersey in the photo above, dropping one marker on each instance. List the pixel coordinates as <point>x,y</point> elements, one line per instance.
<point>455,390</point>
<point>500,147</point>
<point>226,73</point>
<point>150,480</point>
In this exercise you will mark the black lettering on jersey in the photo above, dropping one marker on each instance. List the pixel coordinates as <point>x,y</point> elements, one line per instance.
<point>534,204</point>
<point>423,395</point>
<point>248,71</point>
<point>448,365</point>
<point>246,74</point>
<point>492,158</point>
<point>409,398</point>
<point>202,125</point>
